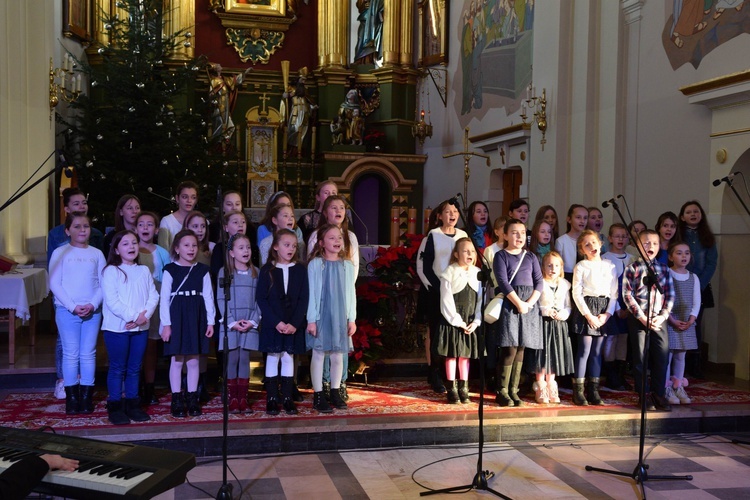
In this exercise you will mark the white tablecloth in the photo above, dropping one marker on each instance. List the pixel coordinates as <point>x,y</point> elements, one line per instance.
<point>23,288</point>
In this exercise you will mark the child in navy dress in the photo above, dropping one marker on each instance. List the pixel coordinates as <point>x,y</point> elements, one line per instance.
<point>460,305</point>
<point>243,318</point>
<point>282,297</point>
<point>331,312</point>
<point>187,317</point>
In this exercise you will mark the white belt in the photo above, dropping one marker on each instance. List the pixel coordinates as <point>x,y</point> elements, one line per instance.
<point>188,292</point>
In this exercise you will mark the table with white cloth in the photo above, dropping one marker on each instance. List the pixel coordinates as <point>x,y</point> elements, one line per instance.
<point>20,291</point>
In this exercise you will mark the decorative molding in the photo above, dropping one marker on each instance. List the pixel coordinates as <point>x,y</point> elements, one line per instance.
<point>716,83</point>
<point>380,166</point>
<point>254,44</point>
<point>632,10</point>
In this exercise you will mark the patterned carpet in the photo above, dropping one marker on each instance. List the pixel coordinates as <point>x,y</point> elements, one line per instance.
<point>34,410</point>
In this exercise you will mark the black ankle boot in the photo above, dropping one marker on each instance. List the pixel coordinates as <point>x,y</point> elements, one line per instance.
<point>178,405</point>
<point>149,395</point>
<point>451,392</point>
<point>87,399</point>
<point>336,400</point>
<point>193,404</point>
<point>287,385</point>
<point>463,391</point>
<point>320,403</point>
<point>116,414</point>
<point>72,399</point>
<point>272,395</point>
<point>203,395</point>
<point>134,412</point>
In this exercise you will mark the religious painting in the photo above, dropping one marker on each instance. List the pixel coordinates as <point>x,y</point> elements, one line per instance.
<point>696,27</point>
<point>433,26</point>
<point>260,192</point>
<point>495,38</point>
<point>256,7</point>
<point>261,149</point>
<point>76,19</point>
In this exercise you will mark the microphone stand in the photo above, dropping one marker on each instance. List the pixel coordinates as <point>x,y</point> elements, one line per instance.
<point>640,473</point>
<point>225,491</point>
<point>479,482</point>
<point>18,195</point>
<point>730,183</point>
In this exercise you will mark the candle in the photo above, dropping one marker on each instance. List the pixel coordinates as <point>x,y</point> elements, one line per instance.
<point>78,83</point>
<point>62,83</point>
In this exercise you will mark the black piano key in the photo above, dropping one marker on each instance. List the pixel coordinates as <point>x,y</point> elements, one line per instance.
<point>131,475</point>
<point>117,471</point>
<point>106,470</point>
<point>96,469</point>
<point>84,465</point>
<point>121,473</point>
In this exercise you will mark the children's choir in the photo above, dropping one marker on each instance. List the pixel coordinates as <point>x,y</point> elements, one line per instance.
<point>572,300</point>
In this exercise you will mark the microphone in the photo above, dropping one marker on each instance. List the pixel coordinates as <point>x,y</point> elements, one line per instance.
<point>219,199</point>
<point>454,201</point>
<point>611,201</point>
<point>728,178</point>
<point>151,191</point>
<point>367,233</point>
<point>63,165</point>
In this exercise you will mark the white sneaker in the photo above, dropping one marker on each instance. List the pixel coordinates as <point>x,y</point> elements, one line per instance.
<point>669,395</point>
<point>60,389</point>
<point>682,396</point>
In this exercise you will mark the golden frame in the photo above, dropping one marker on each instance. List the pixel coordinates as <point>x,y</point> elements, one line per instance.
<point>260,8</point>
<point>433,46</point>
<point>76,20</point>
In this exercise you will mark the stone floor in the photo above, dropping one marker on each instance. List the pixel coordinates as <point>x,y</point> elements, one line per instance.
<point>522,470</point>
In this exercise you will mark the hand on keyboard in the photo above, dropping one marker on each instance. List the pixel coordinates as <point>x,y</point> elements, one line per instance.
<point>56,462</point>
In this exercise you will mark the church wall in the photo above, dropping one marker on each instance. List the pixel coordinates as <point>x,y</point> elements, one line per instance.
<point>30,31</point>
<point>618,123</point>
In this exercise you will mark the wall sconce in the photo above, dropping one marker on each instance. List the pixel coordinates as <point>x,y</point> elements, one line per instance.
<point>539,105</point>
<point>69,87</point>
<point>421,128</point>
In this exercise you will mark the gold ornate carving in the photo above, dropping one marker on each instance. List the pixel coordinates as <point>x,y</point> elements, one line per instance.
<point>254,44</point>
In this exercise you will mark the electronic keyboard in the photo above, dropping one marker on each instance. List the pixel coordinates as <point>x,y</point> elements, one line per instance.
<point>106,469</point>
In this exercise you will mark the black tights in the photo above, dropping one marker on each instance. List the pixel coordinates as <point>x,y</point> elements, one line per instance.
<point>510,355</point>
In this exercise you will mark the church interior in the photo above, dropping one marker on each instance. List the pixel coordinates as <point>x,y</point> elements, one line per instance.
<point>642,105</point>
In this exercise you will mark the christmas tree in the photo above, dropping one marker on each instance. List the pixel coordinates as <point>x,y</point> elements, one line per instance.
<point>141,129</point>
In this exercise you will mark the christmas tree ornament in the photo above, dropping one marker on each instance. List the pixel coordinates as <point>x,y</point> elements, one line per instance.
<point>99,137</point>
<point>89,164</point>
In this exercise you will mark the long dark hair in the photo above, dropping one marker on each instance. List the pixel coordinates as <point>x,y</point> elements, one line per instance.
<point>115,259</point>
<point>273,255</point>
<point>665,217</point>
<point>705,235</point>
<point>571,210</point>
<point>471,226</point>
<point>230,244</point>
<point>119,224</point>
<point>540,216</point>
<point>534,243</point>
<point>272,202</point>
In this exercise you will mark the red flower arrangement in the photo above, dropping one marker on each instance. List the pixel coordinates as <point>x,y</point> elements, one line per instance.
<point>390,295</point>
<point>367,342</point>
